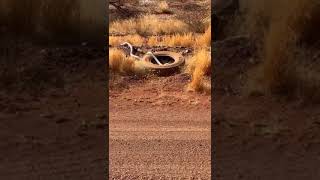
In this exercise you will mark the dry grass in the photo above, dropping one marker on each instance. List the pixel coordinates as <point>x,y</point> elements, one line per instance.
<point>199,66</point>
<point>149,25</point>
<point>136,40</point>
<point>163,7</point>
<point>118,62</point>
<point>185,40</point>
<point>205,39</point>
<point>286,24</point>
<point>279,74</point>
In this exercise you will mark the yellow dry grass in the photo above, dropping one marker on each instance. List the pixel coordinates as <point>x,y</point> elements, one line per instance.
<point>135,39</point>
<point>286,24</point>
<point>199,66</point>
<point>285,29</point>
<point>185,40</point>
<point>205,39</point>
<point>118,62</point>
<point>149,25</point>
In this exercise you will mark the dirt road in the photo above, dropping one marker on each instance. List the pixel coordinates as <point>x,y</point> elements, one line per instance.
<point>157,130</point>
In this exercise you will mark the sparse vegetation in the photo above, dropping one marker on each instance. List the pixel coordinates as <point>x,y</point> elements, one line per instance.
<point>285,29</point>
<point>184,40</point>
<point>199,66</point>
<point>149,25</point>
<point>118,62</point>
<point>205,39</point>
<point>159,30</point>
<point>135,39</point>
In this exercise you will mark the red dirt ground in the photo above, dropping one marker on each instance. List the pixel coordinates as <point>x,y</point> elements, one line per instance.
<point>158,130</point>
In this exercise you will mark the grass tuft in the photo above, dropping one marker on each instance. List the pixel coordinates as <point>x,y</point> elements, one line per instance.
<point>149,25</point>
<point>199,66</point>
<point>287,28</point>
<point>135,39</point>
<point>118,62</point>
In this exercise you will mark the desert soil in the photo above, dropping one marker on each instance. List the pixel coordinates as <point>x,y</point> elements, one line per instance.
<point>58,132</point>
<point>158,130</point>
<point>259,137</point>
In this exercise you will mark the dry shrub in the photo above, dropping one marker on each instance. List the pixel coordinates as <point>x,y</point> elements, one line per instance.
<point>205,39</point>
<point>136,40</point>
<point>163,7</point>
<point>118,62</point>
<point>279,72</point>
<point>154,25</point>
<point>287,24</point>
<point>154,40</point>
<point>185,40</point>
<point>199,66</point>
<point>123,26</point>
<point>149,25</point>
<point>294,15</point>
<point>277,59</point>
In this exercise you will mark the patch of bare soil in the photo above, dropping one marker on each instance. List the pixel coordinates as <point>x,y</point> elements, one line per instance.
<point>263,136</point>
<point>53,114</point>
<point>157,129</point>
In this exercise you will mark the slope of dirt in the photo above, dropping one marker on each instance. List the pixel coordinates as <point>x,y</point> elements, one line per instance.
<point>158,130</point>
<point>259,137</point>
<point>53,130</point>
